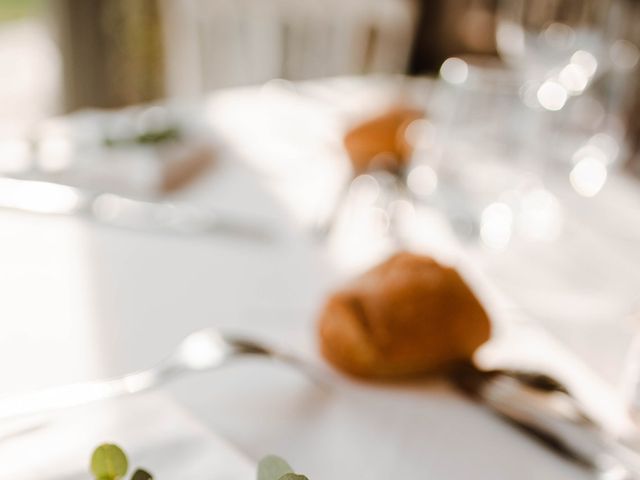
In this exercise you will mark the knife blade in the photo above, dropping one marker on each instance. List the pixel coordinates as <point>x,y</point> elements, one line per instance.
<point>49,198</point>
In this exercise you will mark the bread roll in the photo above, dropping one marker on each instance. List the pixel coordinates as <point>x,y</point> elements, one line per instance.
<point>407,316</point>
<point>380,143</point>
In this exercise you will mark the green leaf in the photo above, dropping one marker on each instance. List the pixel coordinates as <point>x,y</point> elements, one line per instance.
<point>141,474</point>
<point>273,468</point>
<point>293,476</point>
<point>109,462</point>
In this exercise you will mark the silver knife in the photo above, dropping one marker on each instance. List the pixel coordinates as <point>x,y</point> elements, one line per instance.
<point>43,197</point>
<point>549,414</point>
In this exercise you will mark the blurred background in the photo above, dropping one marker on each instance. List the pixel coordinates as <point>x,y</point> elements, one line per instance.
<point>63,55</point>
<point>502,136</point>
<point>524,112</point>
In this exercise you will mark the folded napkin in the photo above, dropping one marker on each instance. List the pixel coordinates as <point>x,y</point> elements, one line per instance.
<point>156,434</point>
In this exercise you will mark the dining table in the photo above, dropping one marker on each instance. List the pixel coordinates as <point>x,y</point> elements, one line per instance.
<point>83,301</point>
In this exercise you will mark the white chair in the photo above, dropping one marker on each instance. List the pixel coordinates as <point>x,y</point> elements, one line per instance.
<point>218,43</point>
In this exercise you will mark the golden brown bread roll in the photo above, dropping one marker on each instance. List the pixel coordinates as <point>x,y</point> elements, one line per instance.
<point>407,316</point>
<point>380,143</point>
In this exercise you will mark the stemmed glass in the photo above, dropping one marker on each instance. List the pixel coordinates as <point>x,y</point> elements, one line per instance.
<point>559,46</point>
<point>544,37</point>
<point>563,48</point>
<point>539,107</point>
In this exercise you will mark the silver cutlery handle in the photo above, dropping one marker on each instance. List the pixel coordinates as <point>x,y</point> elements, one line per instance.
<point>56,398</point>
<point>583,442</point>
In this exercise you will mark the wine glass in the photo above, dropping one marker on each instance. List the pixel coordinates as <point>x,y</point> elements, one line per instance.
<point>543,37</point>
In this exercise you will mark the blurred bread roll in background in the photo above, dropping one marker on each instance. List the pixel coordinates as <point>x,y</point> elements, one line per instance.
<point>380,143</point>
<point>407,316</point>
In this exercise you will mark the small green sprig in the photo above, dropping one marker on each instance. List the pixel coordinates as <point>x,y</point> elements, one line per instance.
<point>275,468</point>
<point>109,462</point>
<point>151,137</point>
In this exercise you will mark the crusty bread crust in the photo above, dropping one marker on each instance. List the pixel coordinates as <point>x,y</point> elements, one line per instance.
<point>380,143</point>
<point>406,316</point>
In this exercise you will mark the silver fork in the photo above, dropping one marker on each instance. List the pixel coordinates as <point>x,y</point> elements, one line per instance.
<point>205,349</point>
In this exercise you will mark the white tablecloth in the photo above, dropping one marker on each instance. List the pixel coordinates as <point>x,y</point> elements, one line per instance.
<point>156,434</point>
<point>81,301</point>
